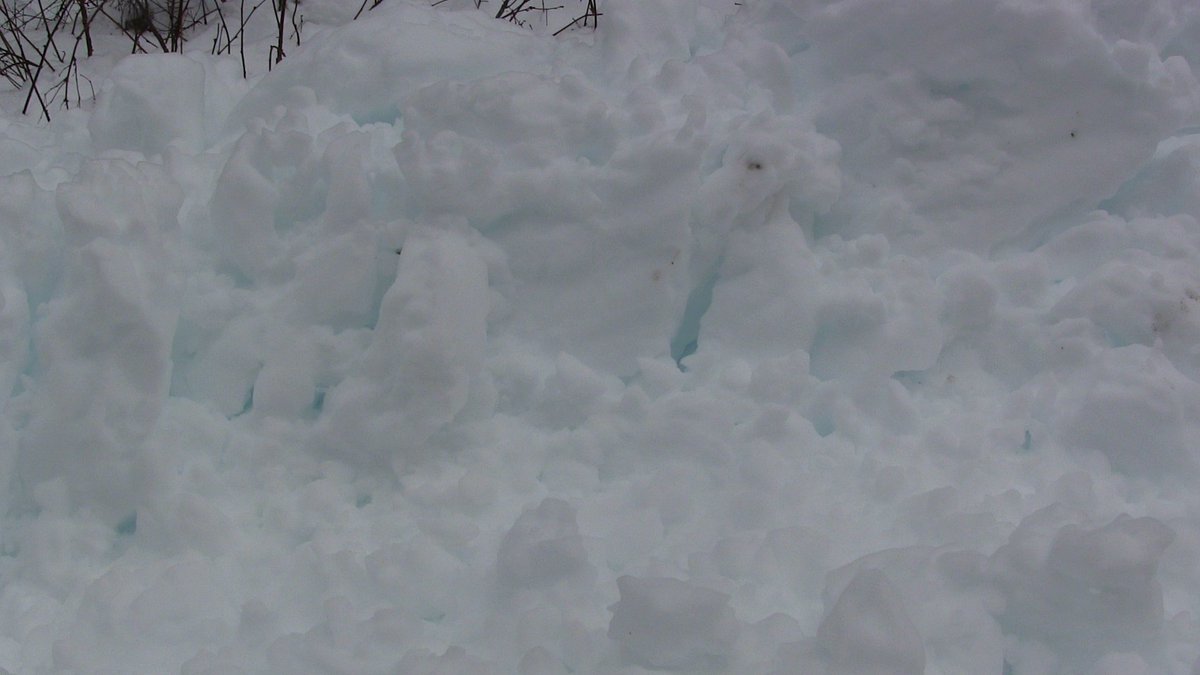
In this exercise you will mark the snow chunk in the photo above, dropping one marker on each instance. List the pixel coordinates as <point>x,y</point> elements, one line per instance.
<point>286,384</point>
<point>1121,663</point>
<point>878,313</point>
<point>573,392</point>
<point>368,68</point>
<point>245,199</point>
<point>668,623</point>
<point>970,297</point>
<point>543,546</point>
<point>945,592</point>
<point>32,233</point>
<point>425,349</point>
<point>1128,303</point>
<point>335,281</point>
<point>1135,408</point>
<point>454,661</point>
<point>105,348</point>
<point>539,118</point>
<point>765,301</point>
<point>772,162</point>
<point>152,101</point>
<point>869,632</point>
<point>1088,590</point>
<point>14,324</point>
<point>116,199</point>
<point>1167,185</point>
<point>1008,115</point>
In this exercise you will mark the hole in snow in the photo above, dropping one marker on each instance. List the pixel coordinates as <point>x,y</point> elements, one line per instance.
<point>687,336</point>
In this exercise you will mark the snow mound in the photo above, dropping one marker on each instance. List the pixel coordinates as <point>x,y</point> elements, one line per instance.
<point>835,336</point>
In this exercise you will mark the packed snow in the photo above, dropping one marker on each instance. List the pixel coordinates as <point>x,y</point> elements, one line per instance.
<point>782,336</point>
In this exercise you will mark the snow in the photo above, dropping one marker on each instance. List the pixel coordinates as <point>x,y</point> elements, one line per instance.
<point>782,336</point>
<point>868,631</point>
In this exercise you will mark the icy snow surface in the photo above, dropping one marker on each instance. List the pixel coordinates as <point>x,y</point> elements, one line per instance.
<point>810,336</point>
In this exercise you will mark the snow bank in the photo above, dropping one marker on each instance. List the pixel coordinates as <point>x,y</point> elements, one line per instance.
<point>840,336</point>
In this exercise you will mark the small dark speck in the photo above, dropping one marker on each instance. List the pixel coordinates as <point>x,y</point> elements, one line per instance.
<point>1072,134</point>
<point>399,251</point>
<point>754,166</point>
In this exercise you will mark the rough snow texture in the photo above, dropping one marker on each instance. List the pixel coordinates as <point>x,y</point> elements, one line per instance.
<point>822,336</point>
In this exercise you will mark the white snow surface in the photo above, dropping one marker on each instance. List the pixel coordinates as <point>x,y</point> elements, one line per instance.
<point>781,336</point>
